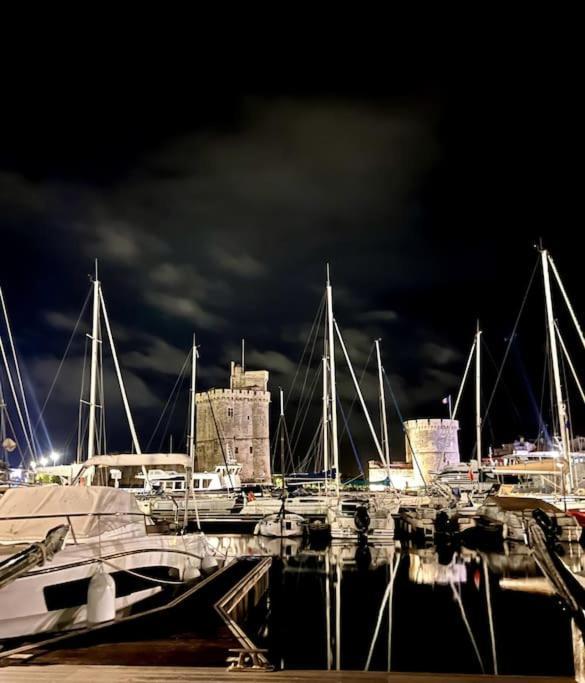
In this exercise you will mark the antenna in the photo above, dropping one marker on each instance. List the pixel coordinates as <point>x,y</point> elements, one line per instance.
<point>243,355</point>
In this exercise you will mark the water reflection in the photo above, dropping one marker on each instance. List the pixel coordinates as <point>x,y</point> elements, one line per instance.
<point>386,607</point>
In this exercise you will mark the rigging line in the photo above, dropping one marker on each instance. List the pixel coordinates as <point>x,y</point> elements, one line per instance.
<point>15,398</point>
<point>567,301</point>
<point>68,347</point>
<point>570,363</point>
<point>20,453</point>
<point>102,395</point>
<point>219,438</point>
<point>313,334</point>
<point>397,407</point>
<point>351,441</point>
<point>462,385</point>
<point>541,425</point>
<point>509,345</point>
<point>17,367</point>
<point>315,440</point>
<point>505,386</point>
<point>309,337</point>
<point>81,394</point>
<point>171,414</point>
<point>287,446</point>
<point>300,429</point>
<point>551,385</point>
<point>385,599</point>
<point>180,375</point>
<point>467,626</point>
<point>568,417</point>
<point>355,398</point>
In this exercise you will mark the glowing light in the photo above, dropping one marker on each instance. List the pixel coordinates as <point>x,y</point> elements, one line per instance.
<point>55,456</point>
<point>33,465</point>
<point>44,462</point>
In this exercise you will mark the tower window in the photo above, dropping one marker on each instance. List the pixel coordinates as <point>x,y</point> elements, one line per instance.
<point>237,449</point>
<point>230,412</point>
<point>251,449</point>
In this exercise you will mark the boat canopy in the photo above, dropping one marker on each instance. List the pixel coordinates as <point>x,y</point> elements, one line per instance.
<point>135,460</point>
<point>103,510</point>
<point>550,467</point>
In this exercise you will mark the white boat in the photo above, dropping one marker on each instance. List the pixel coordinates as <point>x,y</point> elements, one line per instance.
<point>107,532</point>
<point>361,516</point>
<point>281,524</point>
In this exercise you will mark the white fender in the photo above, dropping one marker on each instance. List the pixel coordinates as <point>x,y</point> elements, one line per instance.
<point>101,598</point>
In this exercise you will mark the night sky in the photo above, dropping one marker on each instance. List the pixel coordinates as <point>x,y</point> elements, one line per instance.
<point>214,211</point>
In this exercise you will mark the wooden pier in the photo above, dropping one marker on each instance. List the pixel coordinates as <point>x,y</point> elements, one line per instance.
<point>175,674</point>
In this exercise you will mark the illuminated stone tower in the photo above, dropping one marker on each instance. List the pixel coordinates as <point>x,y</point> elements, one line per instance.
<point>237,421</point>
<point>434,443</point>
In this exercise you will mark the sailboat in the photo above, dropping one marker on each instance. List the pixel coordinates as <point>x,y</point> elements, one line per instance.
<point>109,536</point>
<point>560,467</point>
<point>281,524</point>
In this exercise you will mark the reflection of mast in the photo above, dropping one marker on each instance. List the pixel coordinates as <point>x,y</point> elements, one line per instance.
<point>339,574</point>
<point>328,612</point>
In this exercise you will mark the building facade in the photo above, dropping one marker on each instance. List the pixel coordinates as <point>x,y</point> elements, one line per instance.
<point>234,424</point>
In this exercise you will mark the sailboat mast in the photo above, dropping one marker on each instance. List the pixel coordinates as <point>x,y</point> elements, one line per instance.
<point>561,407</point>
<point>332,388</point>
<point>2,420</point>
<point>325,423</point>
<point>384,430</point>
<point>192,404</point>
<point>125,403</point>
<point>91,435</point>
<point>478,395</point>
<point>282,435</point>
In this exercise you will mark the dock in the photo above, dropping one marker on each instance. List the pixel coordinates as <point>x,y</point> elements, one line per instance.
<point>177,674</point>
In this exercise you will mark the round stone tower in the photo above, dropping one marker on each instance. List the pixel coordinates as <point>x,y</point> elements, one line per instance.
<point>434,442</point>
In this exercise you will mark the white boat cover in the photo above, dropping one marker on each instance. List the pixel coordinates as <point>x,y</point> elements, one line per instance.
<point>58,501</point>
<point>134,460</point>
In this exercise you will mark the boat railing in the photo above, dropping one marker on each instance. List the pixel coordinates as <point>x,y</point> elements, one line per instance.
<point>69,515</point>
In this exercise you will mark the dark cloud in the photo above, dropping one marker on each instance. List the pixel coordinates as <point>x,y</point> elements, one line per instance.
<point>223,227</point>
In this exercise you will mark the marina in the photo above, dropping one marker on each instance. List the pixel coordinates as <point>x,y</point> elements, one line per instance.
<point>265,415</point>
<point>197,560</point>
